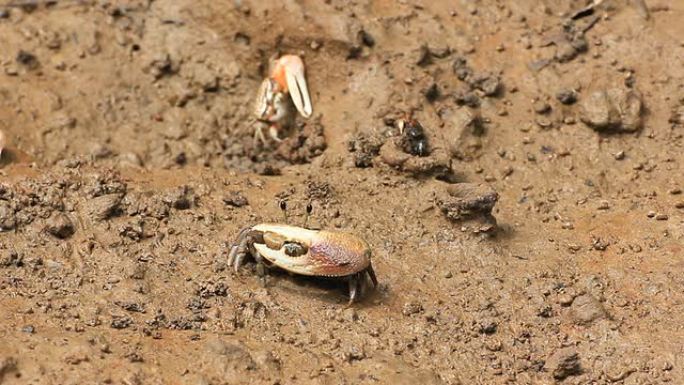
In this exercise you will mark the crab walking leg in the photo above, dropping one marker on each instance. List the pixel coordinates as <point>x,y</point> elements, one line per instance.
<point>273,133</point>
<point>238,253</point>
<point>259,133</point>
<point>293,68</point>
<point>234,250</point>
<point>357,283</point>
<point>371,274</point>
<point>245,242</point>
<point>239,261</point>
<point>353,288</point>
<point>260,265</point>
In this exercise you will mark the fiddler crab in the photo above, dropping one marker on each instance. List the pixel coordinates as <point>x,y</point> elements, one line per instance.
<point>298,250</point>
<point>279,95</point>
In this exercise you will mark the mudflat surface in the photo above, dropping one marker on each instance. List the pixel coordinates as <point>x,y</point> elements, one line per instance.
<point>130,168</point>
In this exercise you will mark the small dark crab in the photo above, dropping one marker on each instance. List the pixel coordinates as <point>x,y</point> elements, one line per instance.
<point>302,251</point>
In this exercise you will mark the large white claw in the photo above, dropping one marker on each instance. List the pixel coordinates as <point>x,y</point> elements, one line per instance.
<point>296,84</point>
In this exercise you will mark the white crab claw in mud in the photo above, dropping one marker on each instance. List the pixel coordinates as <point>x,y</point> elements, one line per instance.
<point>281,95</point>
<point>291,68</point>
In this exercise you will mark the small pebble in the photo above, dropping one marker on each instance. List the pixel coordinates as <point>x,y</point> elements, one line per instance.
<point>566,96</point>
<point>661,217</point>
<point>60,226</point>
<point>565,299</point>
<point>569,120</point>
<point>411,308</point>
<point>544,122</point>
<point>235,199</point>
<point>541,107</point>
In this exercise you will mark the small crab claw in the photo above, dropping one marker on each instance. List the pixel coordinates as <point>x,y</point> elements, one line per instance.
<point>289,73</point>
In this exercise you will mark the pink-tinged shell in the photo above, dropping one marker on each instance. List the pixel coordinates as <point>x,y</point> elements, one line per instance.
<point>339,254</point>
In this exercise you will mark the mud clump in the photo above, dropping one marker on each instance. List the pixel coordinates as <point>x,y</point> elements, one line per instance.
<point>437,163</point>
<point>28,60</point>
<point>566,97</point>
<point>104,207</point>
<point>304,145</point>
<point>8,365</point>
<point>487,83</point>
<point>299,147</point>
<point>677,116</point>
<point>364,147</point>
<point>469,201</point>
<point>235,199</point>
<point>412,152</point>
<point>60,226</point>
<point>569,38</point>
<point>587,309</point>
<point>463,133</point>
<point>181,198</point>
<point>613,110</point>
<point>563,364</point>
<point>7,217</point>
<point>226,359</point>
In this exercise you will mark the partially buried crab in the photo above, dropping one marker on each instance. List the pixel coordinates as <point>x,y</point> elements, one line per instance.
<point>414,141</point>
<point>280,95</point>
<point>298,250</point>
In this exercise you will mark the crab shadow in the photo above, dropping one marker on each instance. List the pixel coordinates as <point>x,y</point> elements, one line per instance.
<point>7,157</point>
<point>325,289</point>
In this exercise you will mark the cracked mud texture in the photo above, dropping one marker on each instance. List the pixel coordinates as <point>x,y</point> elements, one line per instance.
<point>129,167</point>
